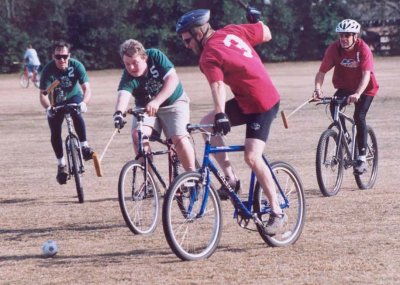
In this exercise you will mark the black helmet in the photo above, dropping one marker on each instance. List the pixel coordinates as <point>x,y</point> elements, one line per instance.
<point>192,19</point>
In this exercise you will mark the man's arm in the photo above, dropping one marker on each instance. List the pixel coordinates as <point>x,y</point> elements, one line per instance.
<point>218,92</point>
<point>123,98</point>
<point>267,36</point>
<point>319,80</point>
<point>87,92</point>
<point>171,81</point>
<point>366,76</point>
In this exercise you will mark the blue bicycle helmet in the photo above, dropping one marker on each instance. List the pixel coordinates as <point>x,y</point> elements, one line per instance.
<point>192,19</point>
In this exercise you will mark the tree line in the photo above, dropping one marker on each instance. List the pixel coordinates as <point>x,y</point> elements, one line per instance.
<point>95,28</point>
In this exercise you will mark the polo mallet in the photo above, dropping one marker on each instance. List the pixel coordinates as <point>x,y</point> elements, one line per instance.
<point>244,5</point>
<point>97,160</point>
<point>50,89</point>
<point>285,118</point>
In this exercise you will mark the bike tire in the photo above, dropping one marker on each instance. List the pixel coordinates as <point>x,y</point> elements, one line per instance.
<point>367,180</point>
<point>140,206</point>
<point>329,168</point>
<point>294,207</point>
<point>75,168</point>
<point>24,80</point>
<point>191,236</point>
<point>37,81</point>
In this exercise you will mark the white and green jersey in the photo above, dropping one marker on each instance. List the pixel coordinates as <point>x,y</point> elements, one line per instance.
<point>147,86</point>
<point>70,80</point>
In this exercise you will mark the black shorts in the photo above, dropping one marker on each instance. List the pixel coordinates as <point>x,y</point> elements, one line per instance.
<point>257,125</point>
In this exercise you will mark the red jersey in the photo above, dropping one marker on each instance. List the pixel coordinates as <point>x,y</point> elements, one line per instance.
<point>349,65</point>
<point>229,56</point>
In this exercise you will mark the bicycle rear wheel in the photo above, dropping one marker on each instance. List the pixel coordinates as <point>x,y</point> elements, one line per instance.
<point>24,80</point>
<point>367,180</point>
<point>192,217</point>
<point>75,166</point>
<point>139,198</point>
<point>292,203</point>
<point>329,167</point>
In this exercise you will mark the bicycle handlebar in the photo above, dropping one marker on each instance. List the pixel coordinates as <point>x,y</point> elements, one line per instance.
<point>193,127</point>
<point>67,107</point>
<point>327,100</point>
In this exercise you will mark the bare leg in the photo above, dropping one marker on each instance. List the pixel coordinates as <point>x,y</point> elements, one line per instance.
<point>253,157</point>
<point>221,158</point>
<point>185,152</point>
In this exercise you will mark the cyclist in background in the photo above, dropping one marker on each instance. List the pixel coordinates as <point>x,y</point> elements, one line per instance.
<point>74,87</point>
<point>227,57</point>
<point>353,77</point>
<point>150,77</point>
<point>32,62</point>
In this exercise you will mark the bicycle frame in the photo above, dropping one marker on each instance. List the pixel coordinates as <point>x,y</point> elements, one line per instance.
<point>338,115</point>
<point>245,207</point>
<point>147,155</point>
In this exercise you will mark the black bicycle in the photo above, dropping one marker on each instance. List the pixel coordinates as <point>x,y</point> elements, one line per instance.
<point>337,152</point>
<point>73,148</point>
<point>138,193</point>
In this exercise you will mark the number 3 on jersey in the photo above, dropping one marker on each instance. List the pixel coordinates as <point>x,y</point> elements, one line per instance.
<point>230,39</point>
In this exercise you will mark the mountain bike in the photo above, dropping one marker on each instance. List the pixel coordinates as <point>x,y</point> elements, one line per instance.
<point>73,148</point>
<point>192,215</point>
<point>25,79</point>
<point>138,193</point>
<point>337,152</point>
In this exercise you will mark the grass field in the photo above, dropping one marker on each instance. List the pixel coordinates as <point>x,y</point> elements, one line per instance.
<point>351,238</point>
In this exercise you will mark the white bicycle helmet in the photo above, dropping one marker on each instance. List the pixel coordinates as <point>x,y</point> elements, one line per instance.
<point>348,26</point>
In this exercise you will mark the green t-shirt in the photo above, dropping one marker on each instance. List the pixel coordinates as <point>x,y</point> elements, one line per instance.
<point>70,80</point>
<point>147,86</point>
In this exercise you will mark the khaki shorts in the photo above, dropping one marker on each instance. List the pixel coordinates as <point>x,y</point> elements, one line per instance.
<point>172,120</point>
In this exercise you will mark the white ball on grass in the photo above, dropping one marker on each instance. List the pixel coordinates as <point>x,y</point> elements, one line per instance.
<point>49,248</point>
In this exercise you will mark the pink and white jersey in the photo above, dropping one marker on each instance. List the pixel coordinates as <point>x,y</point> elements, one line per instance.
<point>229,56</point>
<point>349,65</point>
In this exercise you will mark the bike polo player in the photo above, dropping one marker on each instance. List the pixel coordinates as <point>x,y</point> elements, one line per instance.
<point>353,77</point>
<point>74,87</point>
<point>150,77</point>
<point>227,57</point>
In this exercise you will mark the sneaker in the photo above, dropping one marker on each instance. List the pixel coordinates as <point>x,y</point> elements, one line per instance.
<point>62,174</point>
<point>87,153</point>
<point>223,192</point>
<point>275,224</point>
<point>360,167</point>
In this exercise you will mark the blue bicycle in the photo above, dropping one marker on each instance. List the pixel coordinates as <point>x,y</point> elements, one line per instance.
<point>192,215</point>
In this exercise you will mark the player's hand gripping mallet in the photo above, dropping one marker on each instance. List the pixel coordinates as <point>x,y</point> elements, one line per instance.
<point>285,118</point>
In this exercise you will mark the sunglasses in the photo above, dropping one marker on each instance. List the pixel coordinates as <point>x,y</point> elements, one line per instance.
<point>187,40</point>
<point>345,35</point>
<point>61,56</point>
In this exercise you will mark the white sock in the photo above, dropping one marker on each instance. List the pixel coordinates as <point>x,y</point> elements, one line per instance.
<point>85,144</point>
<point>61,161</point>
<point>362,157</point>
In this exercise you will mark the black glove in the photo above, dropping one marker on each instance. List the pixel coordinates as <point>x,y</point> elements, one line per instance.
<point>118,120</point>
<point>50,112</point>
<point>252,15</point>
<point>222,124</point>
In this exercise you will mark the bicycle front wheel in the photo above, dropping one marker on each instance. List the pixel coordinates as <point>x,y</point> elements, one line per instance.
<point>367,180</point>
<point>24,80</point>
<point>291,200</point>
<point>329,166</point>
<point>192,217</point>
<point>139,198</point>
<point>75,167</point>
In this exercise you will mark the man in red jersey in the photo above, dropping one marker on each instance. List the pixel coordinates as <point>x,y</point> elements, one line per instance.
<point>227,57</point>
<point>353,77</point>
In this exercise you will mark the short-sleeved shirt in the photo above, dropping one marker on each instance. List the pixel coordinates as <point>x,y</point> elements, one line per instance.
<point>349,65</point>
<point>147,86</point>
<point>229,56</point>
<point>70,80</point>
<point>31,57</point>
